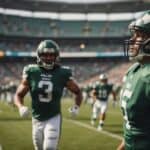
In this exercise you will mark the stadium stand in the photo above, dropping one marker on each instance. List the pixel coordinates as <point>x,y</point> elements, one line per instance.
<point>88,47</point>
<point>22,34</point>
<point>32,27</point>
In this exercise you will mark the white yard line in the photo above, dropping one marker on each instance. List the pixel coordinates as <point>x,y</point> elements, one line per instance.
<point>94,129</point>
<point>1,147</point>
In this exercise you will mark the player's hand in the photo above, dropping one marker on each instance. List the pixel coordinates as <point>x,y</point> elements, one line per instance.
<point>74,110</point>
<point>24,111</point>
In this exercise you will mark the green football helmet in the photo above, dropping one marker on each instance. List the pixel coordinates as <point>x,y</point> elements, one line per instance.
<point>47,47</point>
<point>103,78</point>
<point>141,25</point>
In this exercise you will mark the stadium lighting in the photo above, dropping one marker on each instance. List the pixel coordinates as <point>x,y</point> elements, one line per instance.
<point>17,12</point>
<point>72,16</point>
<point>50,15</point>
<point>82,46</point>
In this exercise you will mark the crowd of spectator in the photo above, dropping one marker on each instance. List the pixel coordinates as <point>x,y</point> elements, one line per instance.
<point>65,46</point>
<point>32,27</point>
<point>84,71</point>
<point>36,27</point>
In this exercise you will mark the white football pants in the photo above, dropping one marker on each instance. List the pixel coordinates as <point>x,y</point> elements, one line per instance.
<point>99,107</point>
<point>46,134</point>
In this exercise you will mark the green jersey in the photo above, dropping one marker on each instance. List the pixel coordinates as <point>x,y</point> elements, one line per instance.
<point>103,91</point>
<point>135,100</point>
<point>88,89</point>
<point>46,88</point>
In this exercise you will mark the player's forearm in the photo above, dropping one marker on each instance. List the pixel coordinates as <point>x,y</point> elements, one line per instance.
<point>121,146</point>
<point>20,94</point>
<point>78,98</point>
<point>18,100</point>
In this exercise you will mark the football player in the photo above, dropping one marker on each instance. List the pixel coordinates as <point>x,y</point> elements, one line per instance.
<point>87,91</point>
<point>135,93</point>
<point>45,81</point>
<point>11,89</point>
<point>101,93</point>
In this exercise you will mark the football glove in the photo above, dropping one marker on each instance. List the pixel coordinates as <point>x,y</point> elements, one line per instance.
<point>74,110</point>
<point>24,111</point>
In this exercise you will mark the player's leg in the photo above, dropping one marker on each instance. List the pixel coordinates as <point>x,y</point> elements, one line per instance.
<point>95,112</point>
<point>52,133</point>
<point>102,115</point>
<point>84,94</point>
<point>37,134</point>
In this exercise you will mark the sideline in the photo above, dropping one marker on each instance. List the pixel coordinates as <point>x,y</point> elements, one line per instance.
<point>94,129</point>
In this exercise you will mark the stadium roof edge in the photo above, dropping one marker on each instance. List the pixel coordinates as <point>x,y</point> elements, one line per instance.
<point>60,6</point>
<point>72,16</point>
<point>84,1</point>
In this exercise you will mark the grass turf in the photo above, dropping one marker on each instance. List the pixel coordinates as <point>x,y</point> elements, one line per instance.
<point>15,132</point>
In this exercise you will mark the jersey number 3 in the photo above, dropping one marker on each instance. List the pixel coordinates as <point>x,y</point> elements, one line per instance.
<point>46,94</point>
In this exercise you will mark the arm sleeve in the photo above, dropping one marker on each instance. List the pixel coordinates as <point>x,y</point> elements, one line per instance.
<point>69,75</point>
<point>25,72</point>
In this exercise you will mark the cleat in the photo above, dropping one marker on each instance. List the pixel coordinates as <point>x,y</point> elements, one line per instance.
<point>92,122</point>
<point>99,128</point>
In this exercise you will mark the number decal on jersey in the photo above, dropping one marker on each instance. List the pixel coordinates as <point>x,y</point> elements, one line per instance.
<point>102,93</point>
<point>124,109</point>
<point>47,88</point>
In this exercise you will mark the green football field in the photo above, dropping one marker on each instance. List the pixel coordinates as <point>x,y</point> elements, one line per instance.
<point>77,133</point>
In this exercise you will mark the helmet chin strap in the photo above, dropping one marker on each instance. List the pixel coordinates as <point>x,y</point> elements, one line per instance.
<point>136,58</point>
<point>140,58</point>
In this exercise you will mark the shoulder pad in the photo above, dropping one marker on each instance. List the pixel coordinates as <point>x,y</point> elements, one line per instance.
<point>146,73</point>
<point>27,67</point>
<point>133,67</point>
<point>32,65</point>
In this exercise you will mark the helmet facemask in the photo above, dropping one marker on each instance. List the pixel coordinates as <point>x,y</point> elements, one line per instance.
<point>103,79</point>
<point>138,47</point>
<point>47,63</point>
<point>142,49</point>
<point>47,54</point>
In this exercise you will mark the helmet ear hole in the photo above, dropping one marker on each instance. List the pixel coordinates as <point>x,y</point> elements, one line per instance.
<point>146,46</point>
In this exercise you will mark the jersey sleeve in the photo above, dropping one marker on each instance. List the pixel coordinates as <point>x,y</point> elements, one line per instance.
<point>148,87</point>
<point>69,75</point>
<point>25,72</point>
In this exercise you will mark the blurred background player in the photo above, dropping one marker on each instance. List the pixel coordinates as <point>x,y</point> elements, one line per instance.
<point>135,94</point>
<point>45,81</point>
<point>86,91</point>
<point>101,92</point>
<point>10,91</point>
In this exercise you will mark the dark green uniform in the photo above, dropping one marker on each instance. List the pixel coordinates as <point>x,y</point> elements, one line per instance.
<point>46,88</point>
<point>88,89</point>
<point>135,102</point>
<point>103,91</point>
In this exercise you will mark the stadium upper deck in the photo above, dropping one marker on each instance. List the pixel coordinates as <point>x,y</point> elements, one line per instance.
<point>33,27</point>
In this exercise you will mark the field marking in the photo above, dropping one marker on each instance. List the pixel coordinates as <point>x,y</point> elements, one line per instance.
<point>94,129</point>
<point>1,147</point>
